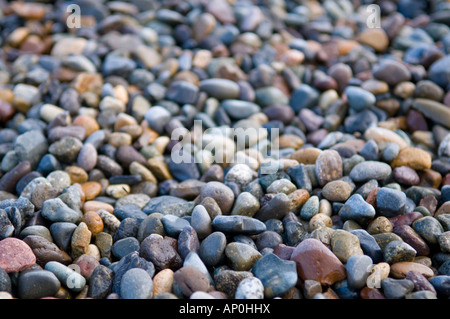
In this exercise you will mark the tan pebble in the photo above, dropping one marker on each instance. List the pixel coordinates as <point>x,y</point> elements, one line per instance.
<point>139,169</point>
<point>375,38</point>
<point>118,191</point>
<point>161,143</point>
<point>121,93</point>
<point>95,206</point>
<point>400,270</point>
<point>93,221</point>
<point>88,82</point>
<point>384,136</point>
<point>124,119</point>
<point>94,252</point>
<point>413,157</point>
<point>89,123</point>
<point>162,282</point>
<point>289,141</point>
<point>325,207</point>
<point>118,139</point>
<point>319,219</point>
<point>306,155</point>
<point>380,225</point>
<point>77,174</point>
<point>159,168</point>
<point>404,90</point>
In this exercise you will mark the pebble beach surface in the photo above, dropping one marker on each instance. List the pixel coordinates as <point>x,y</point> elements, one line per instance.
<point>355,124</point>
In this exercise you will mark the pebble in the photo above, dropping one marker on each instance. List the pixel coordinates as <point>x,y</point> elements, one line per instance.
<point>67,276</point>
<point>344,245</point>
<point>390,202</point>
<point>212,249</point>
<point>358,210</point>
<point>316,262</point>
<point>412,157</point>
<point>396,288</point>
<point>15,255</point>
<point>428,228</point>
<point>398,251</point>
<point>337,191</point>
<point>369,170</point>
<point>279,282</point>
<point>38,284</point>
<point>360,158</point>
<point>100,282</point>
<point>46,251</point>
<point>250,288</point>
<point>358,269</point>
<point>136,284</point>
<point>328,167</point>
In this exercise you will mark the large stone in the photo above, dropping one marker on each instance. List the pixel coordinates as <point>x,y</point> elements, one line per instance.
<point>316,262</point>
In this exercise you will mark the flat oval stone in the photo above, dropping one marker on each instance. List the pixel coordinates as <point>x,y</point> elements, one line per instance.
<point>15,255</point>
<point>46,251</point>
<point>38,284</point>
<point>368,170</point>
<point>201,221</point>
<point>337,191</point>
<point>241,256</point>
<point>385,72</point>
<point>220,88</point>
<point>414,158</point>
<point>221,193</point>
<point>124,246</point>
<point>406,175</point>
<point>238,109</point>
<point>316,262</point>
<point>212,249</point>
<point>174,225</point>
<point>238,224</point>
<point>328,167</point>
<point>358,98</point>
<point>400,270</point>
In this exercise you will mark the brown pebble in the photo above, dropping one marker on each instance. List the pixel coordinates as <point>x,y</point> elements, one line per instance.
<point>401,269</point>
<point>81,238</point>
<point>9,181</point>
<point>91,190</point>
<point>429,202</point>
<point>95,206</point>
<point>46,251</point>
<point>328,167</point>
<point>93,222</point>
<point>77,174</point>
<point>430,178</point>
<point>316,262</point>
<point>87,264</point>
<point>89,123</point>
<point>413,157</point>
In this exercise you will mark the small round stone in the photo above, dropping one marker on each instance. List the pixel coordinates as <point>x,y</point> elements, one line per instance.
<point>250,288</point>
<point>336,191</point>
<point>136,283</point>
